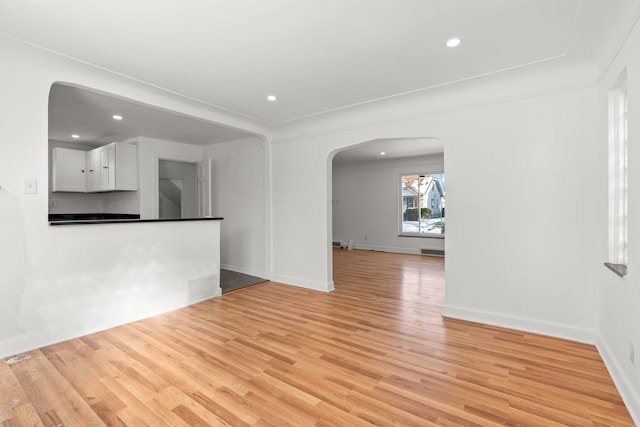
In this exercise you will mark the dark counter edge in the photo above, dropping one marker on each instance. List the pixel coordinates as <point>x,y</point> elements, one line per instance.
<point>120,221</point>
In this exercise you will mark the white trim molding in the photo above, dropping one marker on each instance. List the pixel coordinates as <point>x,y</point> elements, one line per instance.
<point>525,324</point>
<point>303,283</point>
<point>629,395</point>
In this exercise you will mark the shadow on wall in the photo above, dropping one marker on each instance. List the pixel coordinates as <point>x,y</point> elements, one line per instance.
<point>14,270</point>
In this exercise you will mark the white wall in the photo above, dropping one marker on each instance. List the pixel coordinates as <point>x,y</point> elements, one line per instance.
<point>522,267</point>
<point>366,200</point>
<point>619,298</point>
<point>122,202</point>
<point>59,282</point>
<point>239,190</point>
<point>301,172</point>
<point>121,273</point>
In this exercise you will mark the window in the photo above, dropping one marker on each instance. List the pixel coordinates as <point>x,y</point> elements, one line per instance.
<point>422,205</point>
<point>618,215</point>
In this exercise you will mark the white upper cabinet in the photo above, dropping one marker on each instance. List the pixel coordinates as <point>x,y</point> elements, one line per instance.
<point>112,167</point>
<point>108,167</point>
<point>69,170</point>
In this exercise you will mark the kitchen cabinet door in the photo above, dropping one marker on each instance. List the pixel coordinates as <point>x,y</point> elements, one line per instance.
<point>68,170</point>
<point>93,170</point>
<point>107,154</point>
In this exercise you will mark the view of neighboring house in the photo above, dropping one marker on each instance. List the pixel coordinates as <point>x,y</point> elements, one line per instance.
<point>424,192</point>
<point>420,192</point>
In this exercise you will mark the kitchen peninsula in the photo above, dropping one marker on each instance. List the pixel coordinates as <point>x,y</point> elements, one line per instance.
<point>85,219</point>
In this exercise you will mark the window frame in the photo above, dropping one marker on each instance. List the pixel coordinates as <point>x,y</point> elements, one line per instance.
<point>402,233</point>
<point>618,194</point>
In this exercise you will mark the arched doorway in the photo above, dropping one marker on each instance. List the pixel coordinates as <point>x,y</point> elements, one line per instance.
<point>371,208</point>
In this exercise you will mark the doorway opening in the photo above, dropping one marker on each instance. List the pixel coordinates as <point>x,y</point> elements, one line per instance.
<point>177,189</point>
<point>375,205</point>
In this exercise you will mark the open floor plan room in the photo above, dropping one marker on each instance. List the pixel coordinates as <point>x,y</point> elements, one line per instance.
<point>376,351</point>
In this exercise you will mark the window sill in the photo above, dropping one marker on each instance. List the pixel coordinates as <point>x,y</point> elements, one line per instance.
<point>423,236</point>
<point>619,269</point>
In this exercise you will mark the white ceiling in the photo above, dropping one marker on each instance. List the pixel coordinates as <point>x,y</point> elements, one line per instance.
<point>398,148</point>
<point>315,55</point>
<point>75,110</point>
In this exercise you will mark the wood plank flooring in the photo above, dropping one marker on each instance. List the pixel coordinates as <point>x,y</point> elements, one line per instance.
<point>376,351</point>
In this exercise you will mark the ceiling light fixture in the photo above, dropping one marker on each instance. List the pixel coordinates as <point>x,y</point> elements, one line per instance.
<point>454,42</point>
<point>117,117</point>
<point>75,136</point>
<point>271,98</point>
<point>383,153</point>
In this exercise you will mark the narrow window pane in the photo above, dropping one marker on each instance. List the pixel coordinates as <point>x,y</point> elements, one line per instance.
<point>618,165</point>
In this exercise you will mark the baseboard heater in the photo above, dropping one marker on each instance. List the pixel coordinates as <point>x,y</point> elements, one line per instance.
<point>432,252</point>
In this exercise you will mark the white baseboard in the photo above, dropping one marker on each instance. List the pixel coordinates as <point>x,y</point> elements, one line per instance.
<point>303,283</point>
<point>29,342</point>
<point>25,343</point>
<point>630,396</point>
<point>396,250</point>
<point>536,326</point>
<point>388,249</point>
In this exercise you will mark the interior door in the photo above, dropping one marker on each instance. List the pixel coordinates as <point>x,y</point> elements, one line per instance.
<point>204,188</point>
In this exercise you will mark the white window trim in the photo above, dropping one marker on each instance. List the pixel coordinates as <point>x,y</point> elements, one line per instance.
<point>400,218</point>
<point>618,175</point>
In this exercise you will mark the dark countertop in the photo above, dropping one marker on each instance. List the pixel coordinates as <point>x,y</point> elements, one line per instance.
<point>91,216</point>
<point>100,218</point>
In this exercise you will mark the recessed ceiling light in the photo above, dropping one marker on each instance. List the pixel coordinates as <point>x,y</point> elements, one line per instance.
<point>454,42</point>
<point>75,136</point>
<point>117,117</point>
<point>271,98</point>
<point>383,153</point>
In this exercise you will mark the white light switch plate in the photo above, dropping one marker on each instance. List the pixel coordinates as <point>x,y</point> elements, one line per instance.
<point>30,186</point>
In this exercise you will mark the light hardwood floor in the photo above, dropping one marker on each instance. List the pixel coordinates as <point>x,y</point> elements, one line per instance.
<point>376,351</point>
